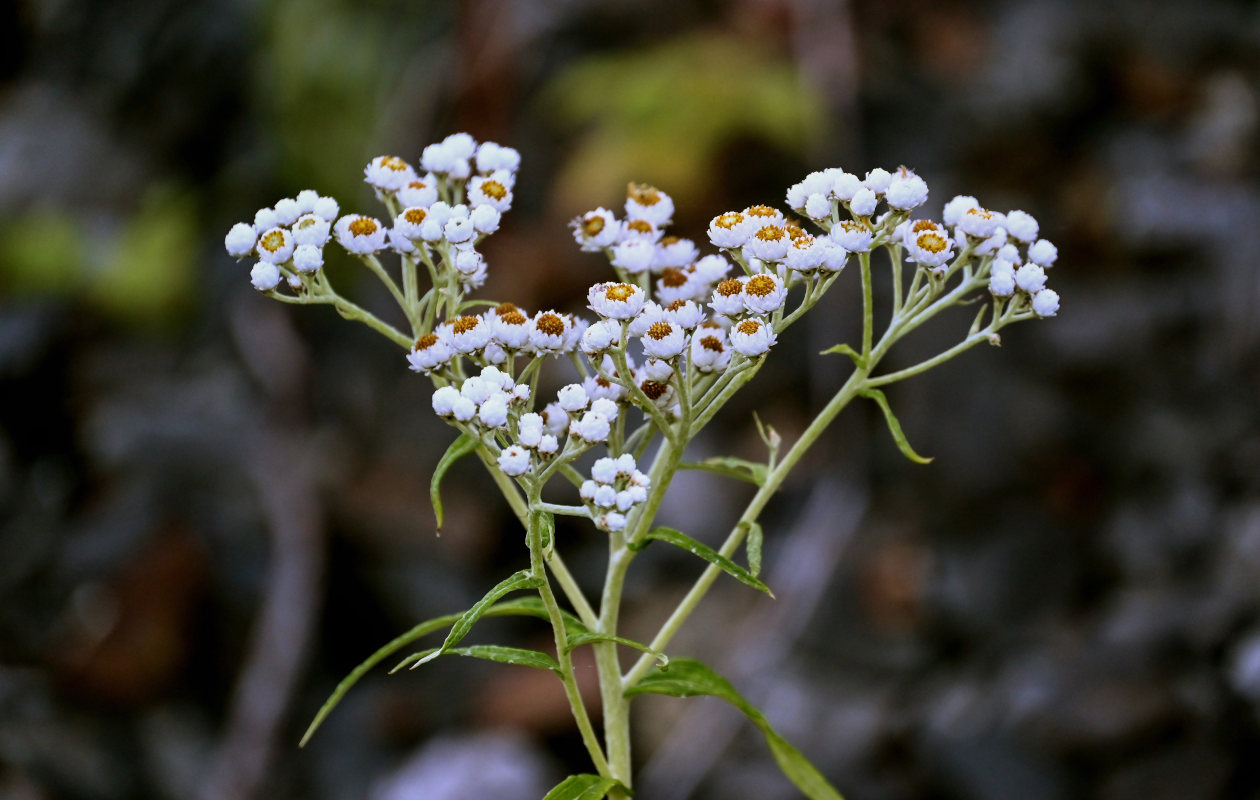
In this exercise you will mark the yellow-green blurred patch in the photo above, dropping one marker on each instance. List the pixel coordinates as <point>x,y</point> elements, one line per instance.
<point>42,253</point>
<point>662,114</point>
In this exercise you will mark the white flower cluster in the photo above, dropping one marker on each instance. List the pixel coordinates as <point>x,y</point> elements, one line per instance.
<point>615,487</point>
<point>288,239</point>
<point>491,338</point>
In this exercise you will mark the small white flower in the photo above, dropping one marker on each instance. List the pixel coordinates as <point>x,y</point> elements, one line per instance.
<point>906,190</point>
<point>651,313</point>
<point>1002,284</point>
<point>1043,252</point>
<point>640,229</point>
<point>1045,303</point>
<point>438,158</point>
<point>761,215</point>
<point>311,229</point>
<point>763,294</point>
<point>1008,252</point>
<point>817,206</point>
<point>510,328</point>
<point>468,262</point>
<point>444,400</point>
<point>661,394</point>
<point>605,406</point>
<point>306,200</point>
<point>664,341</point>
<point>467,334</point>
<point>980,223</point>
<point>497,378</point>
<point>853,236</point>
<point>604,469</point>
<point>833,256</point>
<point>864,203</point>
<point>463,409</point>
<point>410,221</point>
<point>596,230</point>
<point>419,193</point>
<point>752,337</point>
<point>955,208</point>
<point>491,157</point>
<point>675,284</point>
<point>600,388</point>
<point>804,255</point>
<point>616,300</point>
<point>635,256</point>
<point>326,208</point>
<point>591,427</point>
<point>493,353</point>
<point>458,230</point>
<point>649,203</point>
<point>878,180</point>
<point>840,184</point>
<point>728,297</point>
<point>359,234</point>
<point>711,269</point>
<point>928,243</point>
<point>624,500</point>
<point>605,496</point>
<point>548,445</point>
<point>485,219</point>
<point>429,353</point>
<point>275,245</point>
<point>529,429</point>
<point>1030,278</point>
<point>477,390</point>
<point>674,251</point>
<point>549,332</point>
<point>514,461</point>
<point>769,243</point>
<point>295,282</point>
<point>1021,225</point>
<point>729,231</point>
<point>240,240</point>
<point>388,173</point>
<point>600,336</point>
<point>489,192</point>
<point>287,211</point>
<point>572,397</point>
<point>626,465</point>
<point>655,369</point>
<point>686,314</point>
<point>709,352</point>
<point>612,521</point>
<point>308,258</point>
<point>265,218</point>
<point>587,490</point>
<point>555,419</point>
<point>264,276</point>
<point>493,413</point>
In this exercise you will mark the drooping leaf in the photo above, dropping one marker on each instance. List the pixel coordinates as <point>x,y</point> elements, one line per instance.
<point>520,606</point>
<point>845,350</point>
<point>515,582</point>
<point>582,787</point>
<point>730,467</point>
<point>459,448</point>
<point>894,426</point>
<point>682,540</point>
<point>687,677</point>
<point>577,640</point>
<point>488,652</point>
<point>753,545</point>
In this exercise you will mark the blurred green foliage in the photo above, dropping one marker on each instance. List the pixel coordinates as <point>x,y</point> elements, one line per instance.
<point>662,114</point>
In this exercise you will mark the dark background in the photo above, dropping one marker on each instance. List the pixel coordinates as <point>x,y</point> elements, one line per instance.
<point>213,506</point>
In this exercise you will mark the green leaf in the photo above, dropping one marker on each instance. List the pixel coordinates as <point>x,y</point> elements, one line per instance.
<point>582,787</point>
<point>588,637</point>
<point>680,539</point>
<point>687,677</point>
<point>845,350</point>
<point>894,426</point>
<point>515,582</point>
<point>730,467</point>
<point>753,545</point>
<point>488,652</point>
<point>521,606</point>
<point>459,448</point>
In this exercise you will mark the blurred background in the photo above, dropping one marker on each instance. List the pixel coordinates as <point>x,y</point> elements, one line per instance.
<point>213,506</point>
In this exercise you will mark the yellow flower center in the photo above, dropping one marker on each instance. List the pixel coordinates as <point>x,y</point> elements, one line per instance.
<point>415,215</point>
<point>272,241</point>
<point>729,220</point>
<point>620,292</point>
<point>643,194</point>
<point>771,233</point>
<point>592,225</point>
<point>760,286</point>
<point>933,242</point>
<point>425,342</point>
<point>923,225</point>
<point>394,163</point>
<point>730,287</point>
<point>653,389</point>
<point>711,343</point>
<point>550,324</point>
<point>673,277</point>
<point>761,211</point>
<point>660,330</point>
<point>362,226</point>
<point>493,189</point>
<point>640,226</point>
<point>748,327</point>
<point>513,317</point>
<point>466,324</point>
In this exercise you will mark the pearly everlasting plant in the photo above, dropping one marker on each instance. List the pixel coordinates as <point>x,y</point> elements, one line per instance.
<point>663,344</point>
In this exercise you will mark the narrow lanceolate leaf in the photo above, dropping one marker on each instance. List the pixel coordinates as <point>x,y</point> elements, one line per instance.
<point>520,606</point>
<point>686,677</point>
<point>894,426</point>
<point>582,787</point>
<point>577,640</point>
<point>731,467</point>
<point>680,539</point>
<point>753,545</point>
<point>459,448</point>
<point>845,350</point>
<point>489,652</point>
<point>520,580</point>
